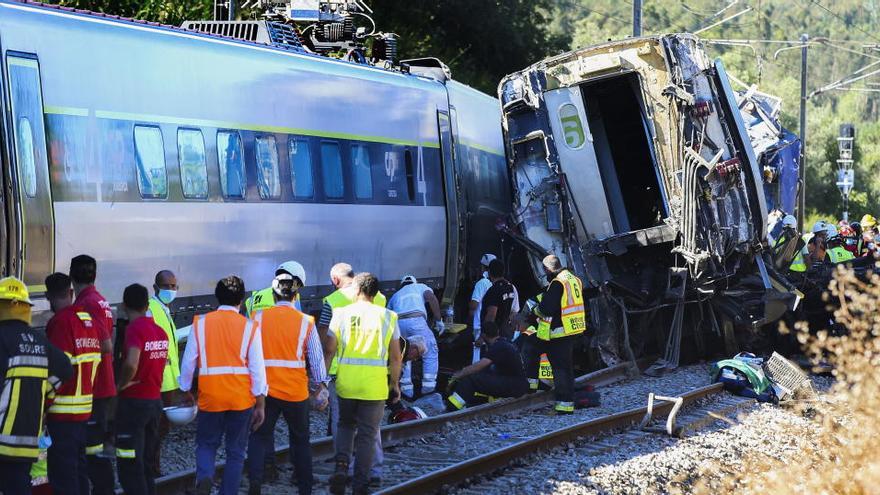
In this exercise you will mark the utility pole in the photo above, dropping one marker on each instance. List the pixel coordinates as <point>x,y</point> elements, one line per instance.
<point>802,183</point>
<point>637,18</point>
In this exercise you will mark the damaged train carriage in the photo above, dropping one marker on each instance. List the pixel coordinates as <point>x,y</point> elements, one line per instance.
<point>630,161</point>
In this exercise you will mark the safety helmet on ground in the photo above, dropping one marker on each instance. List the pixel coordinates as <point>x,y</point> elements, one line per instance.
<point>820,226</point>
<point>408,279</point>
<point>293,268</point>
<point>789,221</point>
<point>868,221</point>
<point>181,415</point>
<point>407,414</point>
<point>13,289</point>
<point>487,258</point>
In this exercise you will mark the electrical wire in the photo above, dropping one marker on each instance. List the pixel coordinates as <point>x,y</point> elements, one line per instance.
<point>841,19</point>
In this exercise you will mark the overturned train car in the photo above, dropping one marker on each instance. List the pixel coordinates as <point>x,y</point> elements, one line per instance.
<point>630,160</point>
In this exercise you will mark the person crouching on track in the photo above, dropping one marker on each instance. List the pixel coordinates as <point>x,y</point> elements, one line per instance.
<point>139,387</point>
<point>227,349</point>
<point>499,373</point>
<point>290,343</point>
<point>71,330</point>
<point>364,338</point>
<point>409,303</point>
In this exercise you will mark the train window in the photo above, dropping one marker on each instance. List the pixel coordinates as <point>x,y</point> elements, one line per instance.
<point>229,157</point>
<point>193,166</point>
<point>331,170</point>
<point>300,168</point>
<point>150,159</point>
<point>363,172</point>
<point>267,167</point>
<point>410,175</point>
<point>26,162</point>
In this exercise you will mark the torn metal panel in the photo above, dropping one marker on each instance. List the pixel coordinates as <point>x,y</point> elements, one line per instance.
<point>631,160</point>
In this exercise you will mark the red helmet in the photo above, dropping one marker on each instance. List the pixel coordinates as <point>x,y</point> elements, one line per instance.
<point>407,414</point>
<point>847,231</point>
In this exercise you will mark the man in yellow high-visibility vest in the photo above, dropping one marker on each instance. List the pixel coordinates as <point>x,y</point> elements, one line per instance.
<point>364,337</point>
<point>561,320</point>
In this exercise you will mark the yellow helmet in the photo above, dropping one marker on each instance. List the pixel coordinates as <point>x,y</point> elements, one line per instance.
<point>868,221</point>
<point>13,289</point>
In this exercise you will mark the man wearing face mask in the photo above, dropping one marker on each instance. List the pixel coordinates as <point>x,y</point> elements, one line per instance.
<point>165,290</point>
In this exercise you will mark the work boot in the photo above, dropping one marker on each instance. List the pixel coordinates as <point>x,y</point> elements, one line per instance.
<point>203,487</point>
<point>339,479</point>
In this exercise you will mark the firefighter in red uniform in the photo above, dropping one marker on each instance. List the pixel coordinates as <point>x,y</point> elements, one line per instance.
<point>72,331</point>
<point>83,271</point>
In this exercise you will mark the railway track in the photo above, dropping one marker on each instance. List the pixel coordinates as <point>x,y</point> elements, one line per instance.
<point>322,447</point>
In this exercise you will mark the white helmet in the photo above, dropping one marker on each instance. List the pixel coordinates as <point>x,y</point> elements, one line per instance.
<point>789,221</point>
<point>487,258</point>
<point>820,226</point>
<point>293,268</point>
<point>830,230</point>
<point>408,279</point>
<point>181,415</point>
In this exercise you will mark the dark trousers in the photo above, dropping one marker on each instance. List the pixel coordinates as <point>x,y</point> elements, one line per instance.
<point>296,414</point>
<point>154,464</point>
<point>358,425</point>
<point>100,467</point>
<point>15,477</point>
<point>66,458</point>
<point>137,437</point>
<point>559,353</point>
<point>211,429</point>
<point>487,383</point>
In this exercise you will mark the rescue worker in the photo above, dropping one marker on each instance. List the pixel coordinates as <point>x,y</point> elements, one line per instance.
<point>139,390</point>
<point>264,298</point>
<point>83,271</point>
<point>31,367</point>
<point>71,330</point>
<point>164,292</point>
<point>475,306</point>
<point>837,252</point>
<point>787,232</point>
<point>498,374</point>
<point>227,349</point>
<point>409,303</point>
<point>290,345</point>
<point>498,301</point>
<point>342,277</point>
<point>364,337</point>
<point>561,319</point>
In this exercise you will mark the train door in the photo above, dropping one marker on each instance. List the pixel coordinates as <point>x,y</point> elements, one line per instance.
<point>36,246</point>
<point>454,225</point>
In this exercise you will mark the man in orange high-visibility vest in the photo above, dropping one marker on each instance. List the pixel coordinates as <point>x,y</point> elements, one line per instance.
<point>227,350</point>
<point>293,354</point>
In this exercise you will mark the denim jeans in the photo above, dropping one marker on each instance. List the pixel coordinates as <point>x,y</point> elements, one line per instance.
<point>296,414</point>
<point>211,428</point>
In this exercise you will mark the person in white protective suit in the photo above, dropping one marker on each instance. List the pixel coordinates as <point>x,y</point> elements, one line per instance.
<point>409,303</point>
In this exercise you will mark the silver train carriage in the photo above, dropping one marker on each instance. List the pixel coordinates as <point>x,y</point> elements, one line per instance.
<point>152,147</point>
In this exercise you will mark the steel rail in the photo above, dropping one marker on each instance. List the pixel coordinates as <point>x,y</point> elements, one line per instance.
<point>439,480</point>
<point>183,481</point>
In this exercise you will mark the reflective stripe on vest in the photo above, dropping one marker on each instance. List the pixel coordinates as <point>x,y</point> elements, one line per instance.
<point>364,337</point>
<point>339,299</point>
<point>224,378</point>
<point>573,315</point>
<point>162,317</point>
<point>839,254</point>
<point>284,331</point>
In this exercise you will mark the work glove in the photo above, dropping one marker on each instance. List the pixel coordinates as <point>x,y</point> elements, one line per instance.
<point>440,327</point>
